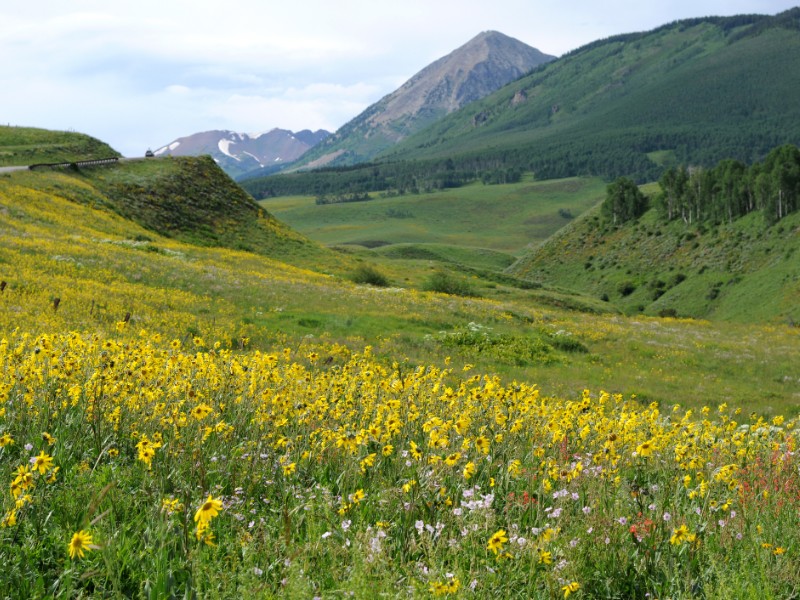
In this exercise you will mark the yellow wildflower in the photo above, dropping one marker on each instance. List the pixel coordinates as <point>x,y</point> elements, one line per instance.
<point>469,470</point>
<point>496,542</point>
<point>43,463</point>
<point>208,510</point>
<point>80,543</point>
<point>681,535</point>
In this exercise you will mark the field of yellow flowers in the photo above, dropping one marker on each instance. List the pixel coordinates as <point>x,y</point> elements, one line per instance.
<point>137,465</point>
<point>179,421</point>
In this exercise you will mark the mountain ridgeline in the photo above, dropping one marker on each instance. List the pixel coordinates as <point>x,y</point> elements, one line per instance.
<point>481,66</point>
<point>239,153</point>
<point>690,92</point>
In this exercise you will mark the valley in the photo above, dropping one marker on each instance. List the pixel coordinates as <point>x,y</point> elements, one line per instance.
<point>539,344</point>
<point>121,292</point>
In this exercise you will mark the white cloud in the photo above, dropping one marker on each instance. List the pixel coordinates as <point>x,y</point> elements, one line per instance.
<point>181,90</point>
<point>143,73</point>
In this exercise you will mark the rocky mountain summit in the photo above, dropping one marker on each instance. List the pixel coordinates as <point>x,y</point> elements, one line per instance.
<point>481,66</point>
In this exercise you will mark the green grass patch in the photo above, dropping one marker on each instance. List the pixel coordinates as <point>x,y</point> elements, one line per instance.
<point>745,271</point>
<point>22,146</point>
<point>520,214</point>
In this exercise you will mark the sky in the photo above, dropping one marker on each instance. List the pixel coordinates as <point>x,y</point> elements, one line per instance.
<point>140,73</point>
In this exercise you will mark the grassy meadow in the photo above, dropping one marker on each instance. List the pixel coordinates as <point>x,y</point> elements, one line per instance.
<point>184,417</point>
<point>521,214</point>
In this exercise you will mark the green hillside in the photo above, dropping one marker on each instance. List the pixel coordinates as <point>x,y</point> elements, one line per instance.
<point>744,271</point>
<point>182,418</point>
<point>187,198</point>
<point>500,218</point>
<point>62,236</point>
<point>20,146</point>
<point>691,92</point>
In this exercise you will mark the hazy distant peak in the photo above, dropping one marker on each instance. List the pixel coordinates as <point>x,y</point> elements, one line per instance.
<point>239,153</point>
<point>483,65</point>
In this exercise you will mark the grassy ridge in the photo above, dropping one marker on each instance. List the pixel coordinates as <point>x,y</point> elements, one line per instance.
<point>189,199</point>
<point>21,146</point>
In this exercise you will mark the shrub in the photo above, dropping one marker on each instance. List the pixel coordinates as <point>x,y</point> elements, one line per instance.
<point>368,275</point>
<point>626,288</point>
<point>445,283</point>
<point>568,343</point>
<point>676,279</point>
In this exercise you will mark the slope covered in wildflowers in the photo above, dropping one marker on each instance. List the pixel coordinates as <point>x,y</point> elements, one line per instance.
<point>178,419</point>
<point>236,473</point>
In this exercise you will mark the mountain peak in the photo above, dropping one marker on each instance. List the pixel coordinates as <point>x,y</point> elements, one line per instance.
<point>483,65</point>
<point>237,153</point>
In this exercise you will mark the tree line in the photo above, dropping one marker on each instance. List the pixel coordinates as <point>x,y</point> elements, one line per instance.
<point>397,177</point>
<point>732,189</point>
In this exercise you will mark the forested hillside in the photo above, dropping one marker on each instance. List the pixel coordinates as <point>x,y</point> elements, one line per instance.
<point>691,92</point>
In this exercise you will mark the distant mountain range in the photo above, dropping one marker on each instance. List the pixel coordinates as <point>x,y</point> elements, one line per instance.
<point>690,92</point>
<point>238,153</point>
<point>481,66</point>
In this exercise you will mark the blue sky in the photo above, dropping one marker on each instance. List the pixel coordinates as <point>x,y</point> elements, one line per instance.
<point>141,73</point>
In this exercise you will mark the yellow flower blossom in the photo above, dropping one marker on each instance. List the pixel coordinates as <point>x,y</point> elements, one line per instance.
<point>681,535</point>
<point>43,463</point>
<point>208,510</point>
<point>469,470</point>
<point>81,542</point>
<point>497,541</point>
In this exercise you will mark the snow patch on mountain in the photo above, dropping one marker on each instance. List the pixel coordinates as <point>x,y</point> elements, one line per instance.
<point>169,148</point>
<point>254,157</point>
<point>224,147</point>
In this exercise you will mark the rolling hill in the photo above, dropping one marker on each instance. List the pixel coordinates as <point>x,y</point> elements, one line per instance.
<point>744,271</point>
<point>20,146</point>
<point>185,198</point>
<point>161,240</point>
<point>424,225</point>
